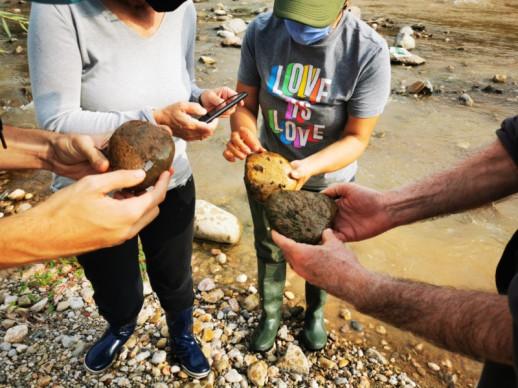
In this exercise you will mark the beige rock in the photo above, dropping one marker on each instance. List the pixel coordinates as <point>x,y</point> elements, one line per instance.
<point>251,302</point>
<point>215,224</point>
<point>207,60</point>
<point>257,373</point>
<point>294,361</point>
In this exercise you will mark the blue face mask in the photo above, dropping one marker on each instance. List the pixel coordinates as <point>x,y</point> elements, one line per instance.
<point>304,34</point>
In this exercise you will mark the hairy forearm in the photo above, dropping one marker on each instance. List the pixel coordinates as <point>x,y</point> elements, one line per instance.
<point>29,237</point>
<point>487,176</point>
<point>26,148</point>
<point>473,323</point>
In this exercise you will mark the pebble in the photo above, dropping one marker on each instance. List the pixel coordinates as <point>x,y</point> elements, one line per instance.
<point>233,376</point>
<point>466,99</point>
<point>221,258</point>
<point>76,303</point>
<point>39,306</point>
<point>17,195</point>
<point>206,284</point>
<point>16,334</point>
<point>355,325</point>
<point>434,366</point>
<point>159,357</point>
<point>241,278</point>
<point>257,373</point>
<point>207,60</point>
<point>499,78</point>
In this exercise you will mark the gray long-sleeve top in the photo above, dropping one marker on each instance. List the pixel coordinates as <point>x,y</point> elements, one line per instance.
<point>90,72</point>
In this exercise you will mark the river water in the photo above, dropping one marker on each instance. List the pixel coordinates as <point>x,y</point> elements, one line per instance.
<point>468,43</point>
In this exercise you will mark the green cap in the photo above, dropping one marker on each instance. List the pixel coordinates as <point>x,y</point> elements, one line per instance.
<point>314,13</point>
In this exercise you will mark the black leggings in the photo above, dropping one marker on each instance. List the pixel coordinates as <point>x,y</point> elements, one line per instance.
<point>167,244</point>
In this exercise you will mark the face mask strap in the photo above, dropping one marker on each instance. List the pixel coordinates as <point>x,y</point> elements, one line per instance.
<point>4,144</point>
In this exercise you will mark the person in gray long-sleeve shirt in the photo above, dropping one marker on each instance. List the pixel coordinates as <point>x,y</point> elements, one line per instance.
<point>95,65</point>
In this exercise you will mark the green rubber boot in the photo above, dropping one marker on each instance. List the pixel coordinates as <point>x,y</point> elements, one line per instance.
<point>271,280</point>
<point>314,334</point>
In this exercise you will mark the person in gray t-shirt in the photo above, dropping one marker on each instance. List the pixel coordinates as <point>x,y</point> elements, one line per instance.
<point>321,78</point>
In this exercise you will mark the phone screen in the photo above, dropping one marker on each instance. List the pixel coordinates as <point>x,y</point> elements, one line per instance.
<point>223,107</point>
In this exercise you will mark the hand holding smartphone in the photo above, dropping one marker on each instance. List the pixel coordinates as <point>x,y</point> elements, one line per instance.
<point>222,107</point>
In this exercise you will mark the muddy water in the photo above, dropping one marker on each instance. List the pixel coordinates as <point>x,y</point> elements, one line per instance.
<point>470,42</point>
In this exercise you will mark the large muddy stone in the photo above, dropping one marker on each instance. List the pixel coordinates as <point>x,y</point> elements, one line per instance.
<point>300,215</point>
<point>141,145</point>
<point>266,173</point>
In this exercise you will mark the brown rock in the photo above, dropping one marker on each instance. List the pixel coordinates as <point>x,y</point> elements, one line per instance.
<point>141,145</point>
<point>266,173</point>
<point>300,215</point>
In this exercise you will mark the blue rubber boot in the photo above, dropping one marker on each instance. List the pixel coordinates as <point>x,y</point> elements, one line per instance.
<point>105,350</point>
<point>183,345</point>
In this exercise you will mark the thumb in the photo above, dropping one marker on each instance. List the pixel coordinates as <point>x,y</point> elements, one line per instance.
<point>119,179</point>
<point>328,236</point>
<point>97,159</point>
<point>282,241</point>
<point>87,146</point>
<point>294,174</point>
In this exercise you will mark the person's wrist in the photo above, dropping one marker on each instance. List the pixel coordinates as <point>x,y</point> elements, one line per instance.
<point>46,144</point>
<point>202,97</point>
<point>158,116</point>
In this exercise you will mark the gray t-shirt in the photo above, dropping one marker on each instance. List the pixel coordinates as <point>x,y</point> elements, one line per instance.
<point>90,72</point>
<point>307,92</point>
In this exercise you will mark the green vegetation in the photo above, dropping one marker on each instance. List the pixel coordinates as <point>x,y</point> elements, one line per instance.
<point>22,21</point>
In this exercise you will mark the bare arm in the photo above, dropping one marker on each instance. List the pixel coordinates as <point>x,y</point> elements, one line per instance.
<point>486,176</point>
<point>71,155</point>
<point>340,154</point>
<point>473,323</point>
<point>80,218</point>
<point>243,123</point>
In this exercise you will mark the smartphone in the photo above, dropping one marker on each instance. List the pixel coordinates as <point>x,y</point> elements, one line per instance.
<point>223,107</point>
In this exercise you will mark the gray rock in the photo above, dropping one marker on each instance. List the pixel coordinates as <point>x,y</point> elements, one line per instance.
<point>76,302</point>
<point>466,99</point>
<point>24,300</point>
<point>5,346</point>
<point>233,376</point>
<point>159,357</point>
<point>39,306</point>
<point>400,55</point>
<point>225,33</point>
<point>373,353</point>
<point>79,349</point>
<point>206,284</point>
<point>235,25</point>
